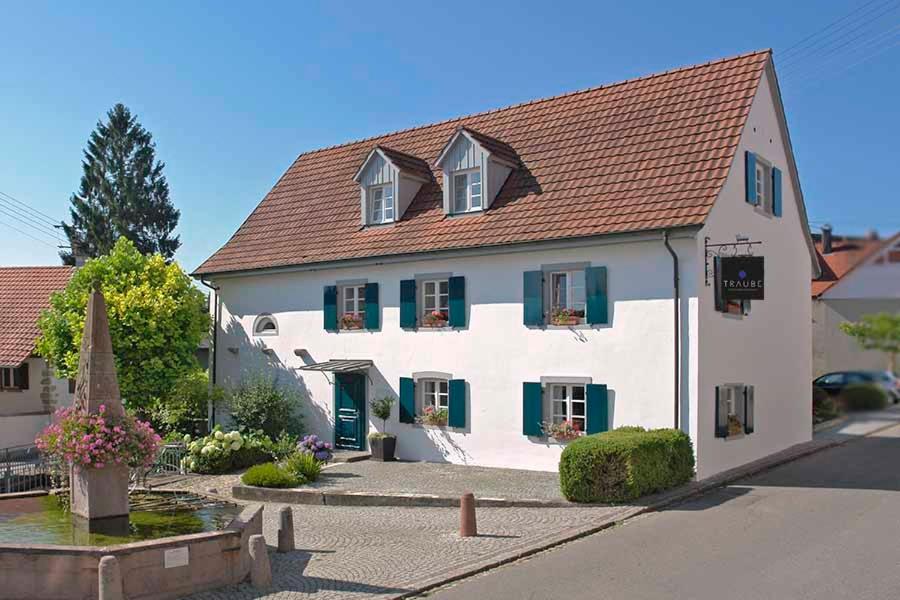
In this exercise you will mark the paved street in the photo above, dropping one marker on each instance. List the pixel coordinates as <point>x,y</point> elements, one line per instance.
<point>824,527</point>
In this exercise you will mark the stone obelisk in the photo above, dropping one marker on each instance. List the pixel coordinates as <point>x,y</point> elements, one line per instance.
<point>98,494</point>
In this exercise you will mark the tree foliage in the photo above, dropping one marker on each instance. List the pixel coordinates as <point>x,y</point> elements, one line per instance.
<point>260,404</point>
<point>123,192</point>
<point>156,320</point>
<point>880,331</point>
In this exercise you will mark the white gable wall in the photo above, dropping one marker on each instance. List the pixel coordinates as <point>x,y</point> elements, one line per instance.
<point>770,348</point>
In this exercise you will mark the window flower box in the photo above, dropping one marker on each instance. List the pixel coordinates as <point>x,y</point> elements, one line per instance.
<point>735,426</point>
<point>564,432</point>
<point>352,321</point>
<point>434,417</point>
<point>566,316</point>
<point>436,318</point>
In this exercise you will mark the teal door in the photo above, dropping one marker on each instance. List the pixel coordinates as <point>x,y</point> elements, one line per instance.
<point>350,410</point>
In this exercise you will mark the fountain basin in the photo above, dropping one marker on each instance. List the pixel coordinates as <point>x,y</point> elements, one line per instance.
<point>161,568</point>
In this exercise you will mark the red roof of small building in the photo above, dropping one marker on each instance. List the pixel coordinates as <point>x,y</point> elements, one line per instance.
<point>24,293</point>
<point>644,154</point>
<point>846,254</point>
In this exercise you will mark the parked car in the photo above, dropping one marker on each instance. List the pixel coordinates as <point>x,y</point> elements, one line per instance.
<point>834,383</point>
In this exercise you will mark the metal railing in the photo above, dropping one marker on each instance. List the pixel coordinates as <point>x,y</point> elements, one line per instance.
<point>25,468</point>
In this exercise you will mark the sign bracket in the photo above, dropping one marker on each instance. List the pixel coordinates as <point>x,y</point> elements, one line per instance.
<point>739,247</point>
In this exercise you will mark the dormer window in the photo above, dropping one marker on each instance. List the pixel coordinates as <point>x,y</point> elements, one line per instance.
<point>475,168</point>
<point>382,200</point>
<point>388,181</point>
<point>467,190</point>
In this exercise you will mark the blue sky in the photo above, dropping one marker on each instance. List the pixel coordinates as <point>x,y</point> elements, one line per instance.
<point>234,92</point>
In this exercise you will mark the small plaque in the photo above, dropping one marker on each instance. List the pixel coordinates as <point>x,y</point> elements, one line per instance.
<point>176,557</point>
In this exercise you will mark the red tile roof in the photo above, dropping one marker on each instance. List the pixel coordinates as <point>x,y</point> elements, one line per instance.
<point>644,154</point>
<point>24,293</point>
<point>846,254</point>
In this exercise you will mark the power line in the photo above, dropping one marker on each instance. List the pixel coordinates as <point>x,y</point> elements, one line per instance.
<point>811,81</point>
<point>44,216</point>
<point>4,210</point>
<point>794,49</point>
<point>25,233</point>
<point>27,217</point>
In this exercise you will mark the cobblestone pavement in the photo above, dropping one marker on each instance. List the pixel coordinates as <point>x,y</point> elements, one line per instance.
<point>375,552</point>
<point>412,478</point>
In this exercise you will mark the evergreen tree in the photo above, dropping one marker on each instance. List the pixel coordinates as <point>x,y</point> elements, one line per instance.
<point>123,193</point>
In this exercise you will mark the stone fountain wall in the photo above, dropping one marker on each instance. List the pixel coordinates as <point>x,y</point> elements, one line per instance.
<point>151,570</point>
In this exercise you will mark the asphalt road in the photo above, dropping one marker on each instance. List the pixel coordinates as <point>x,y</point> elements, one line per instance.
<point>823,527</point>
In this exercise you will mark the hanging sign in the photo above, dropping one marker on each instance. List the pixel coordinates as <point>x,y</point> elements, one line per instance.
<point>741,277</point>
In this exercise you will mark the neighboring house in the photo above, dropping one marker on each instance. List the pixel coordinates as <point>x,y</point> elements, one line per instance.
<point>860,276</point>
<point>429,264</point>
<point>29,393</point>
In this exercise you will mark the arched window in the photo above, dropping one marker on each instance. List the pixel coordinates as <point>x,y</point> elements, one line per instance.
<point>265,325</point>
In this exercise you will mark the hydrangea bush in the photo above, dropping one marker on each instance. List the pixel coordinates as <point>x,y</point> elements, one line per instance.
<point>95,440</point>
<point>224,451</point>
<point>320,449</point>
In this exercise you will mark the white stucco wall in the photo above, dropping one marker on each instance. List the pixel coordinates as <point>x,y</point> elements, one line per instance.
<point>770,348</point>
<point>23,413</point>
<point>495,353</point>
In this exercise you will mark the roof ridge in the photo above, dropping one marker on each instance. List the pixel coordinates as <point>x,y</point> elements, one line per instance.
<point>538,101</point>
<point>407,154</point>
<point>10,267</point>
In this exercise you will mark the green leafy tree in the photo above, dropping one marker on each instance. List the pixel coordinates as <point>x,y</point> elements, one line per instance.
<point>156,319</point>
<point>123,193</point>
<point>184,409</point>
<point>879,331</point>
<point>260,404</point>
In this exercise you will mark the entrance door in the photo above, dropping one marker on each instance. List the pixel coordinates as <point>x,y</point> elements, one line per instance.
<point>350,410</point>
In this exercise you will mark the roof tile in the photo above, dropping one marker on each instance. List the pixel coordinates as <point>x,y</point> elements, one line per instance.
<point>24,293</point>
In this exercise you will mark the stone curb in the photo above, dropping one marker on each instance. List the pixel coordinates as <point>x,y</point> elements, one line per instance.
<point>830,423</point>
<point>662,501</point>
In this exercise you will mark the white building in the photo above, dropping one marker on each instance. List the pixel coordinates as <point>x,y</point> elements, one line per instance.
<point>860,276</point>
<point>29,392</point>
<point>578,206</point>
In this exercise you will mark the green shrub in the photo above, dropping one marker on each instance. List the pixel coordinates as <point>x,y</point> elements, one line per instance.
<point>824,406</point>
<point>303,465</point>
<point>864,396</point>
<point>624,464</point>
<point>220,452</point>
<point>269,475</point>
<point>184,408</point>
<point>260,404</point>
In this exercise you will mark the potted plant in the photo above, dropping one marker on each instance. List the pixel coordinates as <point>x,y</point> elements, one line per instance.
<point>351,321</point>
<point>435,318</point>
<point>565,431</point>
<point>434,417</point>
<point>564,316</point>
<point>382,443</point>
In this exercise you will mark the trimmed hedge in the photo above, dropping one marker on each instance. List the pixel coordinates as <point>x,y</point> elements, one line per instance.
<point>864,396</point>
<point>625,464</point>
<point>269,475</point>
<point>824,407</point>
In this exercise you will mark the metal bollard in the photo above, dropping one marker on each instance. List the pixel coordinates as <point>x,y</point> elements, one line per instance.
<point>467,526</point>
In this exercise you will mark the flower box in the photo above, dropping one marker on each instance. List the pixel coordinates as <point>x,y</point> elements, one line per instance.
<point>566,316</point>
<point>735,427</point>
<point>562,432</point>
<point>352,321</point>
<point>566,321</point>
<point>434,418</point>
<point>436,319</point>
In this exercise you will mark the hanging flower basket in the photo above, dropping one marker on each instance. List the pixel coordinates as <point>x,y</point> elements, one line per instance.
<point>351,321</point>
<point>436,318</point>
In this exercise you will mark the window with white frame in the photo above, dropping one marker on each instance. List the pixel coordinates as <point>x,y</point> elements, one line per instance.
<point>734,410</point>
<point>435,302</point>
<point>381,199</point>
<point>435,394</point>
<point>567,296</point>
<point>467,191</point>
<point>265,325</point>
<point>764,186</point>
<point>567,403</point>
<point>353,306</point>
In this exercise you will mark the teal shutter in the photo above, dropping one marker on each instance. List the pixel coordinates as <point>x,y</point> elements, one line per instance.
<point>329,310</point>
<point>750,164</point>
<point>373,313</point>
<point>597,408</point>
<point>533,282</point>
<point>457,291</point>
<point>597,304</point>
<point>532,409</point>
<point>776,191</point>
<point>457,400</point>
<point>721,415</point>
<point>408,303</point>
<point>407,400</point>
<point>20,377</point>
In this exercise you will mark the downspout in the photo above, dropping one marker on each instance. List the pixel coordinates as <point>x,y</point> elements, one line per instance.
<point>213,350</point>
<point>677,324</point>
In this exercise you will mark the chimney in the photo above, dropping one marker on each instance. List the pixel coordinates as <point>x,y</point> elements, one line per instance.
<point>826,239</point>
<point>872,235</point>
<point>78,255</point>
